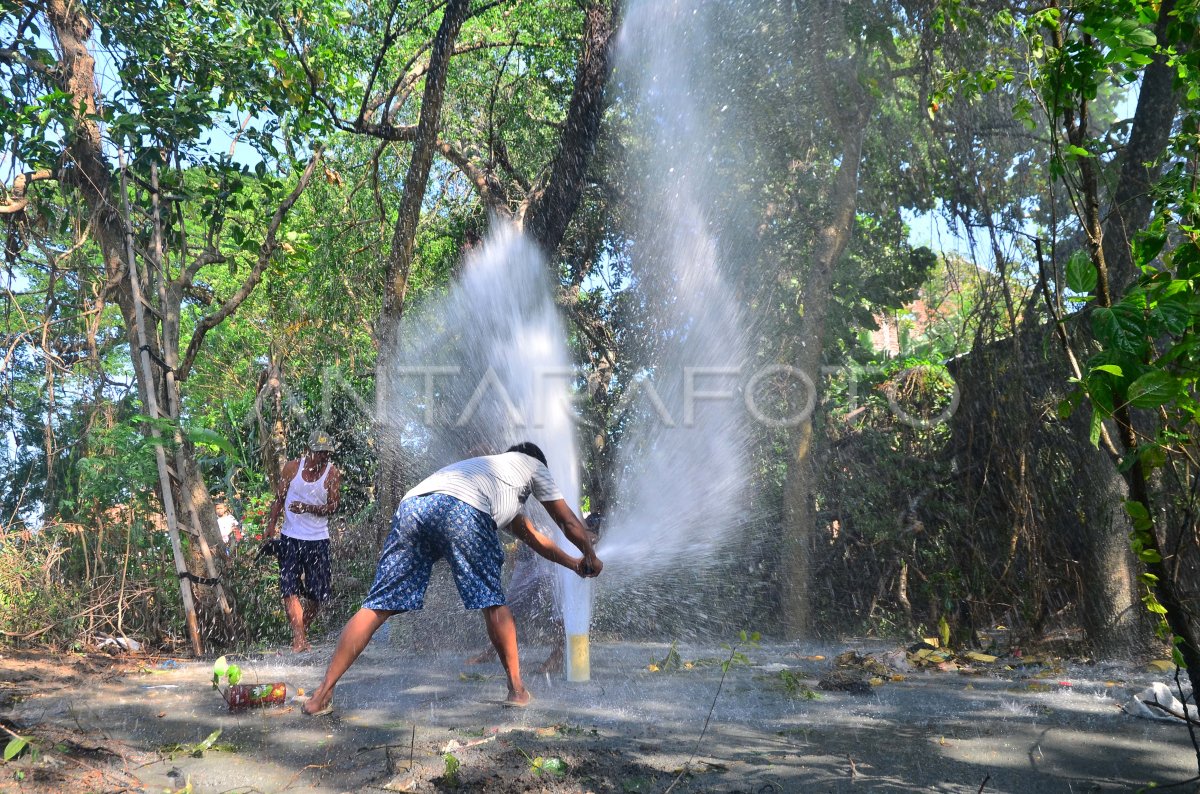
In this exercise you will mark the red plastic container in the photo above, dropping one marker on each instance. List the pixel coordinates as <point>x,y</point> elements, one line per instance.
<point>241,696</point>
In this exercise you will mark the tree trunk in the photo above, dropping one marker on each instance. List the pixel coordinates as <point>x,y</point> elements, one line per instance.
<point>390,475</point>
<point>159,336</point>
<point>544,214</point>
<point>830,241</point>
<point>1130,204</point>
<point>1109,611</point>
<point>548,208</point>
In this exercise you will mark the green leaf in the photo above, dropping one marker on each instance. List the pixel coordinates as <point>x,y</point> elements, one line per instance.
<point>210,438</point>
<point>1111,369</point>
<point>1174,313</point>
<point>1120,328</point>
<point>1136,509</point>
<point>235,674</point>
<point>199,749</point>
<point>1150,556</point>
<point>1153,457</point>
<point>1147,246</point>
<point>1070,403</point>
<point>1153,389</point>
<point>1101,394</point>
<point>220,666</point>
<point>1078,151</point>
<point>14,747</point>
<point>555,766</point>
<point>1081,273</point>
<point>1143,38</point>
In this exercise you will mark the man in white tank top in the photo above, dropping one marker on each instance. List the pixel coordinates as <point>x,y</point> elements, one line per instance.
<point>309,489</point>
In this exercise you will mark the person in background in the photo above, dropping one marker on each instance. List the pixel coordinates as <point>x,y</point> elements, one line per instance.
<point>231,530</point>
<point>455,513</point>
<point>308,494</point>
<point>530,596</point>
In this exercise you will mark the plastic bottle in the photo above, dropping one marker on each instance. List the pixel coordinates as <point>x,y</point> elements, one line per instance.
<point>242,696</point>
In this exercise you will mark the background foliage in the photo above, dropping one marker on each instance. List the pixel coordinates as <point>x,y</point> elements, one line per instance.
<point>1012,129</point>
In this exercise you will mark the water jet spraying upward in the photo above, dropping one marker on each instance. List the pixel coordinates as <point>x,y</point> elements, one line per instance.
<point>486,366</point>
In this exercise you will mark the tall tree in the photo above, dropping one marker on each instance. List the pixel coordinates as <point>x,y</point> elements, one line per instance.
<point>133,136</point>
<point>419,87</point>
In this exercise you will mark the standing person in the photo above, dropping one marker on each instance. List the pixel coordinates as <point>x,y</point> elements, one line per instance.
<point>531,599</point>
<point>231,530</point>
<point>309,488</point>
<point>455,513</point>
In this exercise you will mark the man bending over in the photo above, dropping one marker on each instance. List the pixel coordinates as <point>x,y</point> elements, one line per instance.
<point>455,514</point>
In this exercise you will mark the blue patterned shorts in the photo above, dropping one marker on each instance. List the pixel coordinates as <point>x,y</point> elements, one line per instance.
<point>425,529</point>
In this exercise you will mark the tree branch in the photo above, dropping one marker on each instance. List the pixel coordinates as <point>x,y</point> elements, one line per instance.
<point>389,38</point>
<point>12,56</point>
<point>385,131</point>
<point>424,146</point>
<point>548,208</point>
<point>209,256</point>
<point>490,192</point>
<point>18,195</point>
<point>313,82</point>
<point>265,251</point>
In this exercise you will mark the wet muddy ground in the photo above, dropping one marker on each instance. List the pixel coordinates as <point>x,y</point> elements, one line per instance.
<point>426,722</point>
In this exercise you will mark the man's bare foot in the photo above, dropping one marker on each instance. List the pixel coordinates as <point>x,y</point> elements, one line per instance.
<point>318,703</point>
<point>483,657</point>
<point>519,699</point>
<point>301,647</point>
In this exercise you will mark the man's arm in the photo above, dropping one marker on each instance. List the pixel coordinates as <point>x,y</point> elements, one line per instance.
<point>524,530</point>
<point>285,479</point>
<point>333,495</point>
<point>575,531</point>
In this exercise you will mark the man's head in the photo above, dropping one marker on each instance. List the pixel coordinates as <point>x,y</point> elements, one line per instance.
<point>531,449</point>
<point>222,508</point>
<point>320,445</point>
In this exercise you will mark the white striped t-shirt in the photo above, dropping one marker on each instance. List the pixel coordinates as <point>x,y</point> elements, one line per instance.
<point>496,484</point>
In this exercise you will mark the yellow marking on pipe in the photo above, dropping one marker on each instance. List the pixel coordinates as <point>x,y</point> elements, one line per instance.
<point>579,660</point>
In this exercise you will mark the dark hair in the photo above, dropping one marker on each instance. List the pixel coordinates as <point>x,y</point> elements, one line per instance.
<point>531,449</point>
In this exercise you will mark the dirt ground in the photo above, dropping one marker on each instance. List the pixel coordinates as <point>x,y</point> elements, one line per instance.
<point>786,718</point>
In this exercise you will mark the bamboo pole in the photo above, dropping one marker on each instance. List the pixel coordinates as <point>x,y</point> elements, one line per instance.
<point>171,355</point>
<point>142,365</point>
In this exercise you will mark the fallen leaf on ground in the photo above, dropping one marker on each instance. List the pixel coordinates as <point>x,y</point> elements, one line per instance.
<point>976,656</point>
<point>455,744</point>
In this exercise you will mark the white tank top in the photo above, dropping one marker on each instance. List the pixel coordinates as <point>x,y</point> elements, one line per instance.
<point>306,526</point>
